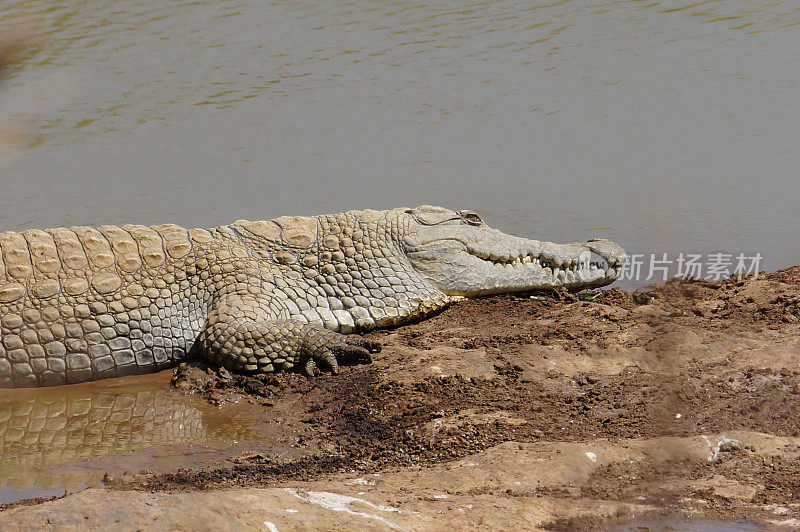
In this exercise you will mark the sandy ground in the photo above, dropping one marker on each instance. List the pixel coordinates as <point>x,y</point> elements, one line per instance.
<point>560,412</point>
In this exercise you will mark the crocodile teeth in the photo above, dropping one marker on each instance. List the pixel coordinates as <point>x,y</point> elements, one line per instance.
<point>556,268</point>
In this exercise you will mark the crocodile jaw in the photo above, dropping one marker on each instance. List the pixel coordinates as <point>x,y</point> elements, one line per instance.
<point>470,259</point>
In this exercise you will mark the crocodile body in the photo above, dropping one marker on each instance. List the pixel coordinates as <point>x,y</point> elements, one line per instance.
<point>82,304</point>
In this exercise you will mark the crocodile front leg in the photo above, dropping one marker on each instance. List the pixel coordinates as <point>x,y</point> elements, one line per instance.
<point>242,334</point>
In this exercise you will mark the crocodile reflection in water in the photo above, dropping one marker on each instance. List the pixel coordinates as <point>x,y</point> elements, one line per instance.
<point>42,429</point>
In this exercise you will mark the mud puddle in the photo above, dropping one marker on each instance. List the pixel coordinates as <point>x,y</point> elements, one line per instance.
<point>64,439</point>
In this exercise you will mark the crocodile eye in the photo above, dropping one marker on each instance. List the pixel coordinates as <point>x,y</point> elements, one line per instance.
<point>470,217</point>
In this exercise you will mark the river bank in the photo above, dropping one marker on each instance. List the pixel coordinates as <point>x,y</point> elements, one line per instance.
<point>561,411</point>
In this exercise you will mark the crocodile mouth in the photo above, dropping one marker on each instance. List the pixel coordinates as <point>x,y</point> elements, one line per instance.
<point>497,263</point>
<point>587,264</point>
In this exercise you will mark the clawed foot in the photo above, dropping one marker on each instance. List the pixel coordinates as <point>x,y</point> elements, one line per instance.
<point>345,349</point>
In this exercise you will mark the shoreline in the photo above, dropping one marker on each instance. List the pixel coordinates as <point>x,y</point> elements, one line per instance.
<point>679,402</point>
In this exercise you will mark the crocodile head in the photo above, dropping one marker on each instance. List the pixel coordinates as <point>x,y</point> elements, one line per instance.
<point>461,256</point>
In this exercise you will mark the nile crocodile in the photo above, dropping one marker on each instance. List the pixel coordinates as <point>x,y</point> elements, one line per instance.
<point>82,304</point>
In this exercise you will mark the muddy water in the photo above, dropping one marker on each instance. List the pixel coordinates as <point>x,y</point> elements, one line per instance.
<point>665,125</point>
<point>66,438</point>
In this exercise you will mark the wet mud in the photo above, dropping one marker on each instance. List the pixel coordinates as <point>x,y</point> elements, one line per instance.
<point>559,411</point>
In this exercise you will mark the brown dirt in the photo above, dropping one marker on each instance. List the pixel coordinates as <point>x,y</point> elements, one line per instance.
<point>560,411</point>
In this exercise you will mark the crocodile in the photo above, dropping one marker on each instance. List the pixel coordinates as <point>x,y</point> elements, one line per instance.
<point>84,303</point>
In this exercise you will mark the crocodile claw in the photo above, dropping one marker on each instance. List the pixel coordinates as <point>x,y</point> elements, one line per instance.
<point>352,354</point>
<point>370,345</point>
<point>310,368</point>
<point>334,349</point>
